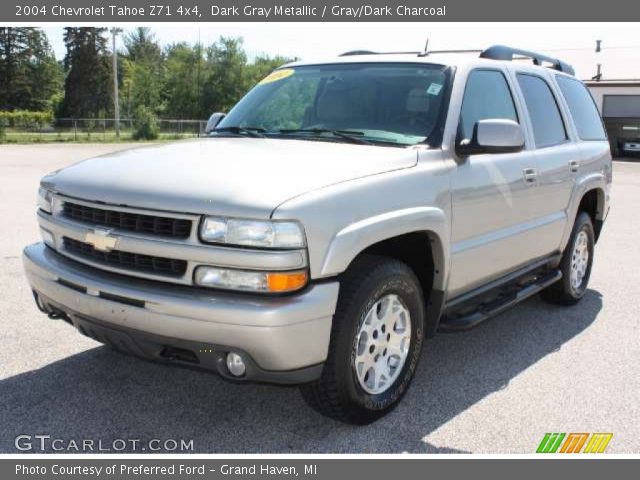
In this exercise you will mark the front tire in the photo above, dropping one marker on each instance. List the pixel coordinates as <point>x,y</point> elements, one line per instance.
<point>376,340</point>
<point>575,265</point>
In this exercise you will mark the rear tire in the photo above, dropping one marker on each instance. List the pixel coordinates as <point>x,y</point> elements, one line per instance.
<point>575,266</point>
<point>376,340</point>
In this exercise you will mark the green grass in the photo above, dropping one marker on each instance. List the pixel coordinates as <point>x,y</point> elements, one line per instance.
<point>17,137</point>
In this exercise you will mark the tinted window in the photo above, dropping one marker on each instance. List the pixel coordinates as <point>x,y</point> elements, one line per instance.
<point>548,128</point>
<point>583,109</point>
<point>486,95</point>
<point>385,103</point>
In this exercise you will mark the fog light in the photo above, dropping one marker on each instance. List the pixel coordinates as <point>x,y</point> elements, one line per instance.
<point>270,282</point>
<point>235,364</point>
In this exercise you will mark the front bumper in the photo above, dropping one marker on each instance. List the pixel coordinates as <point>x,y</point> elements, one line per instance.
<point>283,339</point>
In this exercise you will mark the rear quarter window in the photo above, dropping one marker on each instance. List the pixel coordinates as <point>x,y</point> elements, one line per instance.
<point>582,108</point>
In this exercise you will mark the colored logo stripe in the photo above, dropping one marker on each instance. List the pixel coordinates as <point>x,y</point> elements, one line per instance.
<point>550,443</point>
<point>598,442</point>
<point>574,443</point>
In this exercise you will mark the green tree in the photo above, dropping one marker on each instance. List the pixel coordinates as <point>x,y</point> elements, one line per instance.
<point>224,78</point>
<point>142,72</point>
<point>199,81</point>
<point>29,73</point>
<point>182,70</point>
<point>88,84</point>
<point>142,45</point>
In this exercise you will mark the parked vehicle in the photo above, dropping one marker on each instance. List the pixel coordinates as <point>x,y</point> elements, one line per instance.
<point>629,140</point>
<point>341,213</point>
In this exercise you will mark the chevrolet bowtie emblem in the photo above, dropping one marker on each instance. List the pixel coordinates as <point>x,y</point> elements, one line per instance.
<point>101,240</point>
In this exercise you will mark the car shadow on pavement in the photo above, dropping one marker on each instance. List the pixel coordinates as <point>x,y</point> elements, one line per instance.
<point>100,394</point>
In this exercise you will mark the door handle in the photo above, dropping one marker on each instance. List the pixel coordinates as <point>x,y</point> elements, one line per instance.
<point>530,175</point>
<point>574,165</point>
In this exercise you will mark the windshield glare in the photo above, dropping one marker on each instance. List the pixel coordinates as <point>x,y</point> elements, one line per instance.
<point>395,103</point>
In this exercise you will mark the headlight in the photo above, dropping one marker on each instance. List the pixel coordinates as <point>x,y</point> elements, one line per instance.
<point>252,233</point>
<point>250,281</point>
<point>45,197</point>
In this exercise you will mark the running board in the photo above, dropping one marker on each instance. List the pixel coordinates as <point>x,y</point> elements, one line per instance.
<point>465,322</point>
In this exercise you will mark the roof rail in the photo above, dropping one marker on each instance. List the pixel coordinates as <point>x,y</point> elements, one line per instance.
<point>357,52</point>
<point>420,54</point>
<point>467,50</point>
<point>369,52</point>
<point>501,52</point>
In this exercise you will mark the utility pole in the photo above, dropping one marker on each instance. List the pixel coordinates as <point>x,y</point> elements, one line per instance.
<point>598,75</point>
<point>114,33</point>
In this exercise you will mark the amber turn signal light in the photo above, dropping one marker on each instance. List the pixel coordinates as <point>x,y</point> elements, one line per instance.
<point>286,281</point>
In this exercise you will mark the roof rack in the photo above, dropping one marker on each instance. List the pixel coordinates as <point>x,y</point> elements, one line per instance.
<point>369,52</point>
<point>357,52</point>
<point>429,52</point>
<point>496,52</point>
<point>420,54</point>
<point>501,52</point>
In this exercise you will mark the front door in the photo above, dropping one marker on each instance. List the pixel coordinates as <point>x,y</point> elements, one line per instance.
<point>491,193</point>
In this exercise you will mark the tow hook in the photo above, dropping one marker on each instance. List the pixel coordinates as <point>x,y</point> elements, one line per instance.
<point>52,313</point>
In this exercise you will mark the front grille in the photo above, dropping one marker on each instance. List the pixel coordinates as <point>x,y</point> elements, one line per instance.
<point>133,222</point>
<point>127,260</point>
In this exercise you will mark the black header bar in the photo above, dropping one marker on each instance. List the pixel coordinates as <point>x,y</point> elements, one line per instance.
<point>136,11</point>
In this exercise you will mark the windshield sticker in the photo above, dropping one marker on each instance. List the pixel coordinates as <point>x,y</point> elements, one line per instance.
<point>434,89</point>
<point>277,75</point>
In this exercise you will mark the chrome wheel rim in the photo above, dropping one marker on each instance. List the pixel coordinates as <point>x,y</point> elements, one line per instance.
<point>382,344</point>
<point>579,260</point>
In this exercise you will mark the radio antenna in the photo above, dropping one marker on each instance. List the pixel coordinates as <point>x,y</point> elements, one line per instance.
<point>425,52</point>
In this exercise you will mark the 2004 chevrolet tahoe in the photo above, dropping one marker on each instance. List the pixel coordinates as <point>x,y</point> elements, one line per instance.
<point>338,216</point>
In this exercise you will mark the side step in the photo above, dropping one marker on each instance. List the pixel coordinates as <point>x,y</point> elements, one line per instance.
<point>491,309</point>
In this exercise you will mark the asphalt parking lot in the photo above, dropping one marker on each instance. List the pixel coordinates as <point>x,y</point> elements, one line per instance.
<point>496,389</point>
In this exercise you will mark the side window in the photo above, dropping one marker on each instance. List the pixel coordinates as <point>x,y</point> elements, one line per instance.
<point>548,127</point>
<point>582,108</point>
<point>486,95</point>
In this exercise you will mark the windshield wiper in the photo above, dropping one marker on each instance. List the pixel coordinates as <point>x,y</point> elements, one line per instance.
<point>256,132</point>
<point>350,135</point>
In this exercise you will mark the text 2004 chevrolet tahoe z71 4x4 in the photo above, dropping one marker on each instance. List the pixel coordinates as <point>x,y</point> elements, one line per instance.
<point>340,214</point>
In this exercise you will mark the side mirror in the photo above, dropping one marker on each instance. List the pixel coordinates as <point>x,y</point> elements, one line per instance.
<point>493,136</point>
<point>214,120</point>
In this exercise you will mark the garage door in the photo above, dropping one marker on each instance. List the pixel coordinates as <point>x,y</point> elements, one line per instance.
<point>621,106</point>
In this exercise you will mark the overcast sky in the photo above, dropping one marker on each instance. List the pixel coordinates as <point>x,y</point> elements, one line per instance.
<point>308,41</point>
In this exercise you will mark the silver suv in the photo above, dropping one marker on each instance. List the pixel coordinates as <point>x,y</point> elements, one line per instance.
<point>338,216</point>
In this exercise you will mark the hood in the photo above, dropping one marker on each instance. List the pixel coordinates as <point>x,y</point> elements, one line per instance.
<point>243,177</point>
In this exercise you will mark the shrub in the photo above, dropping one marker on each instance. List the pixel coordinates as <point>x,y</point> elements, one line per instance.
<point>145,124</point>
<point>4,123</point>
<point>25,119</point>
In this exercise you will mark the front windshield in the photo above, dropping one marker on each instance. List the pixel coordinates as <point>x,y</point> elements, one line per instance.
<point>390,103</point>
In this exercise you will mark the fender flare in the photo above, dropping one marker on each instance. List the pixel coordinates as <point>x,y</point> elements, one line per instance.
<point>594,181</point>
<point>352,240</point>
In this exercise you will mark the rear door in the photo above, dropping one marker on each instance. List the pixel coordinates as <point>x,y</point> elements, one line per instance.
<point>557,158</point>
<point>595,153</point>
